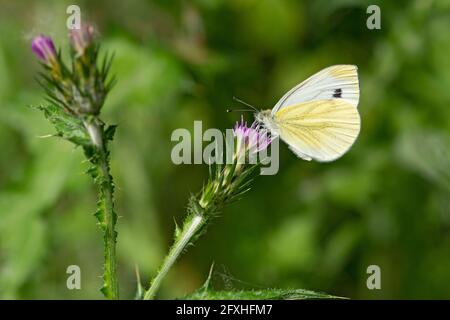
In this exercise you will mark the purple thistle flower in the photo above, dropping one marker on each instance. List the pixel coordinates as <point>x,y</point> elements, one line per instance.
<point>44,48</point>
<point>252,139</point>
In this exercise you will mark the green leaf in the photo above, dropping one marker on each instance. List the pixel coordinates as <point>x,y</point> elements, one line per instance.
<point>206,292</point>
<point>260,294</point>
<point>66,125</point>
<point>139,288</point>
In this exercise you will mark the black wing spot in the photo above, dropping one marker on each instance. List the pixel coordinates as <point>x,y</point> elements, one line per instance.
<point>337,93</point>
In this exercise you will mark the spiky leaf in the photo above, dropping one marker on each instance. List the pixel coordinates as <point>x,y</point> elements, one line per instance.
<point>66,125</point>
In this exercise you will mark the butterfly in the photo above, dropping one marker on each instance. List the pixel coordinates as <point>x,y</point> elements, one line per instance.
<point>318,118</point>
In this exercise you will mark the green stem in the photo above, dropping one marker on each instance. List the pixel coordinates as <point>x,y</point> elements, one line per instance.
<point>190,229</point>
<point>111,287</point>
<point>110,233</point>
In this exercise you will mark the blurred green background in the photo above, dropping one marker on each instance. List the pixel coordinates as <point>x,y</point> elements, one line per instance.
<point>314,226</point>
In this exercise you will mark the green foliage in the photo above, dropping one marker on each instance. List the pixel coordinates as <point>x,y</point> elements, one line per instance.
<point>207,292</point>
<point>431,160</point>
<point>262,294</point>
<point>67,126</point>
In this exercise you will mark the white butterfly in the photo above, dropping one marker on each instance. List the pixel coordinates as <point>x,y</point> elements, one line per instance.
<point>318,118</point>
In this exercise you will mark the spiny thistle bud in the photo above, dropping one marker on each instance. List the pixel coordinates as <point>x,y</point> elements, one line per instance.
<point>80,90</point>
<point>232,180</point>
<point>44,49</point>
<point>81,39</point>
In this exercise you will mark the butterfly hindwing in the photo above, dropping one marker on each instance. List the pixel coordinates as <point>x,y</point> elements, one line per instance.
<point>322,130</point>
<point>335,82</point>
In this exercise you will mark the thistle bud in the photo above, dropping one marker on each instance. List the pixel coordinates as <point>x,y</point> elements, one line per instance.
<point>81,39</point>
<point>44,49</point>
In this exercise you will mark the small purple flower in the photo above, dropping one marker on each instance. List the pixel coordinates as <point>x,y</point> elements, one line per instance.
<point>252,139</point>
<point>81,38</point>
<point>44,48</point>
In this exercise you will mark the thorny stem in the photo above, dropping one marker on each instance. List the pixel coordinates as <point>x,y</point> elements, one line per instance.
<point>110,233</point>
<point>110,265</point>
<point>190,229</point>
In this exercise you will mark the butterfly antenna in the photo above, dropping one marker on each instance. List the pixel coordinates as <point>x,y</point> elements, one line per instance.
<point>245,103</point>
<point>239,110</point>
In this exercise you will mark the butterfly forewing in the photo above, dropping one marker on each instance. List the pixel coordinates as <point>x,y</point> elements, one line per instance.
<point>322,130</point>
<point>335,82</point>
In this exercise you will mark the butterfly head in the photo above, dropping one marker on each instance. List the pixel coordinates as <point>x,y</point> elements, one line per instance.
<point>266,119</point>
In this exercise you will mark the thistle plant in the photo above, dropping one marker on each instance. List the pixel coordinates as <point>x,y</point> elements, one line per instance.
<point>76,94</point>
<point>226,183</point>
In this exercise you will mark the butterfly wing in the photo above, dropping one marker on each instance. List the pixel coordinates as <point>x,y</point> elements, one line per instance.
<point>322,130</point>
<point>339,82</point>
